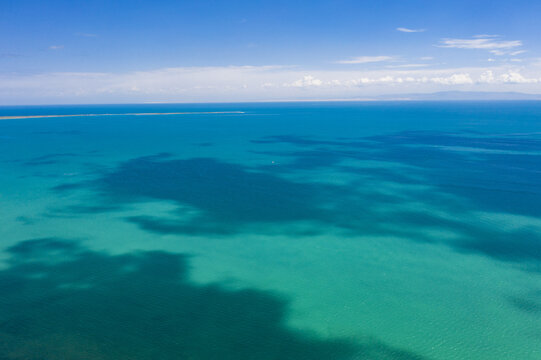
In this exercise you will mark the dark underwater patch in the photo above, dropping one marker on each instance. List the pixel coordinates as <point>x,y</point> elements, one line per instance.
<point>503,175</point>
<point>530,303</point>
<point>50,159</point>
<point>61,300</point>
<point>230,198</point>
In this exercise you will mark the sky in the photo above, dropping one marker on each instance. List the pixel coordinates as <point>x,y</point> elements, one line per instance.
<point>75,51</point>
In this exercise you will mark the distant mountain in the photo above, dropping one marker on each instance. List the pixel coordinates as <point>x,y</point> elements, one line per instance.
<point>463,95</point>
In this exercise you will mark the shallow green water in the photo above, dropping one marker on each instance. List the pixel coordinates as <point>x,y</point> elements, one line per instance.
<point>292,231</point>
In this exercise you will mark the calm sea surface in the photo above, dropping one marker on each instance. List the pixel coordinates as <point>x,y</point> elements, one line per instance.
<point>385,231</point>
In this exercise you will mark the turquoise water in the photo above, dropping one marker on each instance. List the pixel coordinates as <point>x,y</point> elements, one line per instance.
<point>401,231</point>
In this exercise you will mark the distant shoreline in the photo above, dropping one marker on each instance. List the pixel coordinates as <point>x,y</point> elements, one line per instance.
<point>12,117</point>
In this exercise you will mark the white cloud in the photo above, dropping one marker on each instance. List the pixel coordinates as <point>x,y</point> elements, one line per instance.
<point>516,78</point>
<point>486,36</point>
<point>426,58</point>
<point>455,79</point>
<point>306,81</point>
<point>406,66</point>
<point>367,81</point>
<point>487,77</point>
<point>480,43</point>
<point>509,77</point>
<point>505,52</point>
<point>406,30</point>
<point>365,59</point>
<point>498,52</point>
<point>56,47</point>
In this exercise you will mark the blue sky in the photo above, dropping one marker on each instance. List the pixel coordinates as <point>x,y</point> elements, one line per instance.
<point>136,51</point>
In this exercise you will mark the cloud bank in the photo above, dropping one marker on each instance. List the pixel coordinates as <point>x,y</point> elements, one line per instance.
<point>485,42</point>
<point>256,83</point>
<point>406,30</point>
<point>365,59</point>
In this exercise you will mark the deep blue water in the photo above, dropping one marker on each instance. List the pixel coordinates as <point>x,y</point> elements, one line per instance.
<point>407,230</point>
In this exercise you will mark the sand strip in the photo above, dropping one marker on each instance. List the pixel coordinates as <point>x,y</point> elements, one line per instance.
<point>124,114</point>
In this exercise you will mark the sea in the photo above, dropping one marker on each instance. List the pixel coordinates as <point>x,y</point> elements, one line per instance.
<point>263,231</point>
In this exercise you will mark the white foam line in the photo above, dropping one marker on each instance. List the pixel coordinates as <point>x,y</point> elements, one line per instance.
<point>125,114</point>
